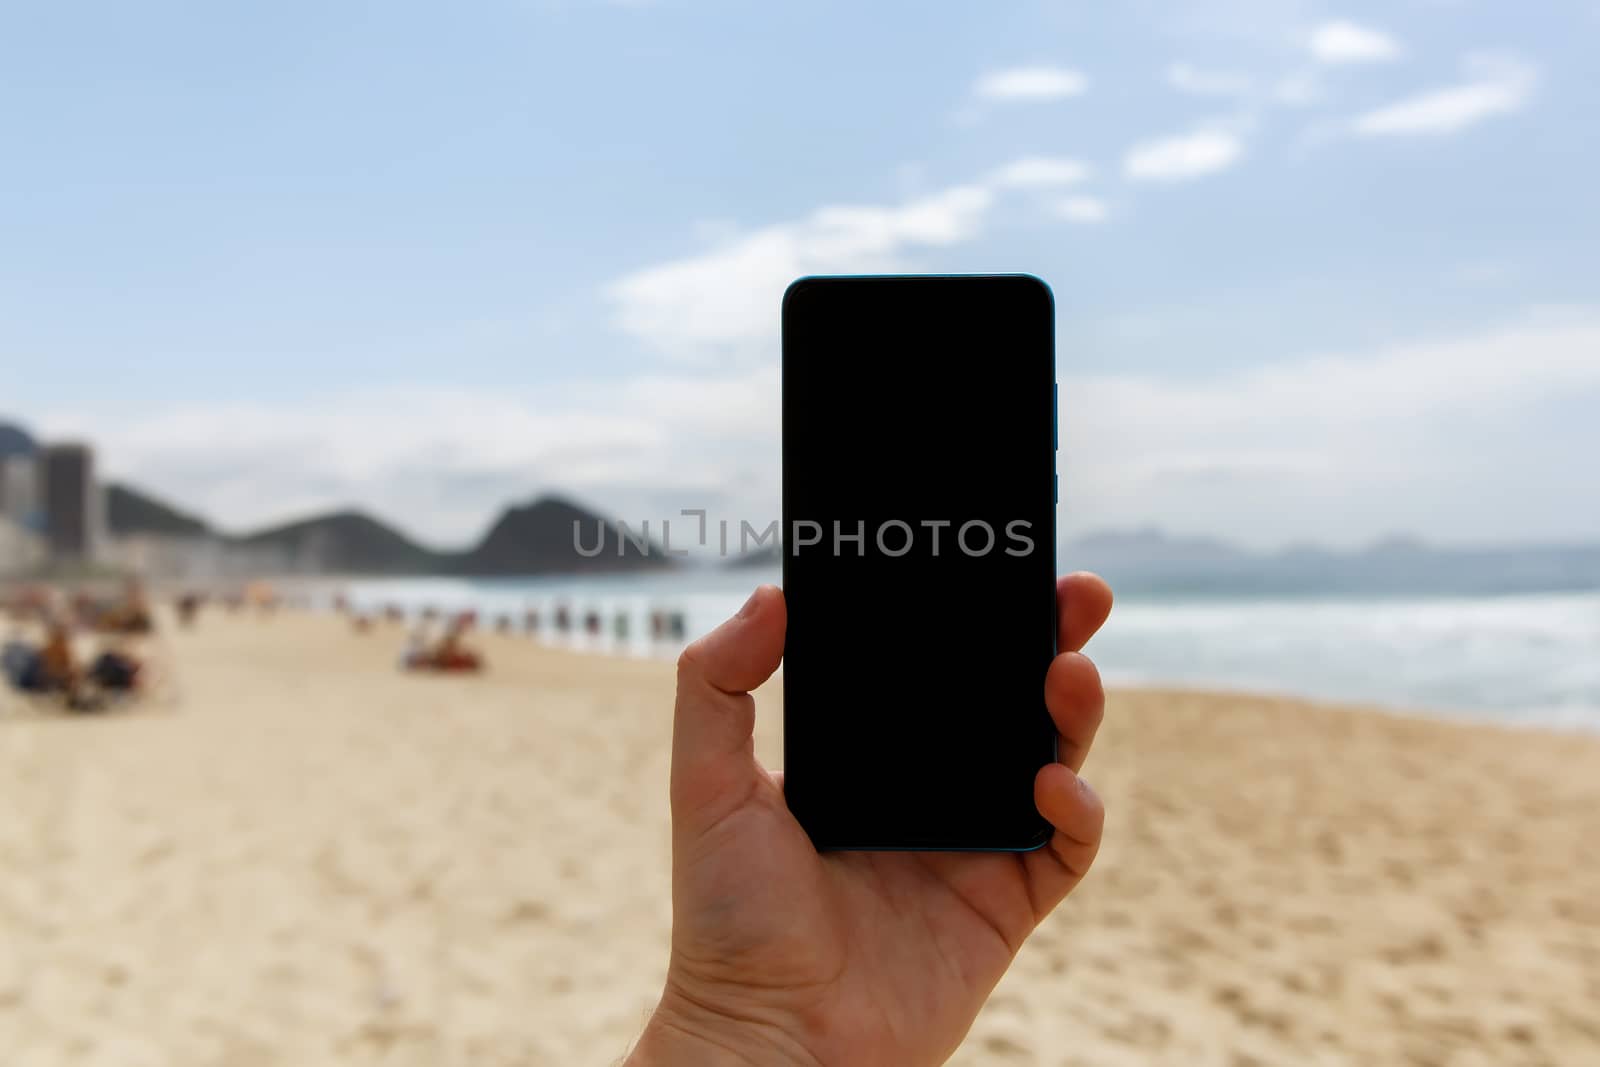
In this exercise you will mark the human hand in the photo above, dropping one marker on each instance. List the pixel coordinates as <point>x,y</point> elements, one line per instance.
<point>783,955</point>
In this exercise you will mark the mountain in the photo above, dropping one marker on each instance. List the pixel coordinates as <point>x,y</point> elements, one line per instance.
<point>553,535</point>
<point>1150,562</point>
<point>15,441</point>
<point>348,542</point>
<point>1149,550</point>
<point>536,538</point>
<point>130,511</point>
<point>545,537</point>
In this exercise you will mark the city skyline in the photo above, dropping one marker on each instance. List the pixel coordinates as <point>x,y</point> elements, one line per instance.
<point>1323,272</point>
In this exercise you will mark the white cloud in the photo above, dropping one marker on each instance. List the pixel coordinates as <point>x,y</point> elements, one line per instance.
<point>1081,209</point>
<point>1299,89</point>
<point>1497,86</point>
<point>722,304</point>
<point>1414,436</point>
<point>1030,83</point>
<point>1341,41</point>
<point>1031,172</point>
<point>443,461</point>
<point>1198,82</point>
<point>1341,447</point>
<point>1185,156</point>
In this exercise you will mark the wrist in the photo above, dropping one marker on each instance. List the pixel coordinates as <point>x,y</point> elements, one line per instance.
<point>685,1033</point>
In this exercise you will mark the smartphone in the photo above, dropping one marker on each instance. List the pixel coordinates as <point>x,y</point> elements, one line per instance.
<point>919,491</point>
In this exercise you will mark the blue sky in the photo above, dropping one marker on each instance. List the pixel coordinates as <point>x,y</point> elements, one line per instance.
<point>1323,272</point>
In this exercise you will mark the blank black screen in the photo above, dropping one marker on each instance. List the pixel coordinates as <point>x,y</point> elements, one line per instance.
<point>918,417</point>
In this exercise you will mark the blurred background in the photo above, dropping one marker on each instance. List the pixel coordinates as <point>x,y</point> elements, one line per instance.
<point>348,312</point>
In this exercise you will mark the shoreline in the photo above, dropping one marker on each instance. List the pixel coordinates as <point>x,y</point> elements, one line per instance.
<point>315,596</point>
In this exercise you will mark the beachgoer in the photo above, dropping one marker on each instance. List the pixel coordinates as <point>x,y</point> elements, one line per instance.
<point>781,955</point>
<point>418,650</point>
<point>447,654</point>
<point>115,669</point>
<point>19,661</point>
<point>58,668</point>
<point>450,654</point>
<point>188,608</point>
<point>133,615</point>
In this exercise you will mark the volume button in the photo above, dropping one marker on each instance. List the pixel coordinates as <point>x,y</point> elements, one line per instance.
<point>1055,416</point>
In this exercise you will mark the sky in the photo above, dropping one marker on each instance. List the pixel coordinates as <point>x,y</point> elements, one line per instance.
<point>1323,272</point>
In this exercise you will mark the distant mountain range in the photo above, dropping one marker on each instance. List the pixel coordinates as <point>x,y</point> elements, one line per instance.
<point>350,542</point>
<point>129,511</point>
<point>1151,562</point>
<point>537,538</point>
<point>540,538</point>
<point>531,539</point>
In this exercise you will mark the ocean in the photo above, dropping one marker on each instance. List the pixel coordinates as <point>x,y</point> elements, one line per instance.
<point>1516,659</point>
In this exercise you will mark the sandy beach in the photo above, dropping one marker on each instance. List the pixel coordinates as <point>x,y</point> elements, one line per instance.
<point>309,859</point>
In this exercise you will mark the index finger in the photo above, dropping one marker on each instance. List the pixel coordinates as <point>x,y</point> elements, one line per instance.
<point>1083,601</point>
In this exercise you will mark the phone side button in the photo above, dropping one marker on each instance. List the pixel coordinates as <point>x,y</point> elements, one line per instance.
<point>1055,492</point>
<point>1055,415</point>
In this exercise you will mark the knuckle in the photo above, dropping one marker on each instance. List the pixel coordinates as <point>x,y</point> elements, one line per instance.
<point>689,660</point>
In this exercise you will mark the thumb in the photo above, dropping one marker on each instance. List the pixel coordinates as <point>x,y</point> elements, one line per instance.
<point>713,754</point>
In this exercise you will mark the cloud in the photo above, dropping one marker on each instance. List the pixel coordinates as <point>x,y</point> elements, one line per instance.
<point>1080,209</point>
<point>1031,172</point>
<point>719,307</point>
<point>1198,82</point>
<point>1340,41</point>
<point>1497,86</point>
<point>443,461</point>
<point>1416,435</point>
<point>722,305</point>
<point>1299,89</point>
<point>1185,156</point>
<point>1030,83</point>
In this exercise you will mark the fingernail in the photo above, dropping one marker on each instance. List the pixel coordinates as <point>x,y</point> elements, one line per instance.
<point>749,608</point>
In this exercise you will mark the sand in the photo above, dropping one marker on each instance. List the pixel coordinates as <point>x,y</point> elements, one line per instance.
<point>311,859</point>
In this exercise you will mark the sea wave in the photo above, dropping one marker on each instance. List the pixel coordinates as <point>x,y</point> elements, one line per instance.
<point>1526,659</point>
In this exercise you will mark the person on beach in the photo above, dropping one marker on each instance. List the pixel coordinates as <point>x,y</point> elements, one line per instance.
<point>132,615</point>
<point>19,662</point>
<point>418,644</point>
<point>115,670</point>
<point>188,607</point>
<point>449,654</point>
<point>58,667</point>
<point>784,957</point>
